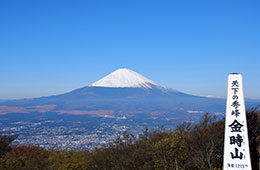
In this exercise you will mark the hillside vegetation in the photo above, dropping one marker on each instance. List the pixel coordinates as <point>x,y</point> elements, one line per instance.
<point>189,146</point>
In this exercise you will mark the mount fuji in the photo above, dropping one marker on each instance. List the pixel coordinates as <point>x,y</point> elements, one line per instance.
<point>121,92</point>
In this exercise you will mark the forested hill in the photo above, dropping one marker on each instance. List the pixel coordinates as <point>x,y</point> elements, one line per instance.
<point>189,146</point>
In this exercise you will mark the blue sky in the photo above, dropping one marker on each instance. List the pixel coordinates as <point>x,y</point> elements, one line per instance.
<point>54,46</point>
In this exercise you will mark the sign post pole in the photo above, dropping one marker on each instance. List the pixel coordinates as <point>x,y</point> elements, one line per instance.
<point>236,146</point>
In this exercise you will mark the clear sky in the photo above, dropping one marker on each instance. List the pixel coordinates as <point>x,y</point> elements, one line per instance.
<point>54,46</point>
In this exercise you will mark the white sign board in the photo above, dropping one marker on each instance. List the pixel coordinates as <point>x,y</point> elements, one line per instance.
<point>236,147</point>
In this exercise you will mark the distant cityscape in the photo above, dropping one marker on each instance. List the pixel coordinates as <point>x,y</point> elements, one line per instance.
<point>65,132</point>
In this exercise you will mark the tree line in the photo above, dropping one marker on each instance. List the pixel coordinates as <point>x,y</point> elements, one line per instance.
<point>190,146</point>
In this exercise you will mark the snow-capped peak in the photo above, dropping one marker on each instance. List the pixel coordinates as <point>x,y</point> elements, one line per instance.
<point>124,78</point>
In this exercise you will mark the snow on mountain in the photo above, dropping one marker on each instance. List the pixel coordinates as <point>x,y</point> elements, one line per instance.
<point>124,78</point>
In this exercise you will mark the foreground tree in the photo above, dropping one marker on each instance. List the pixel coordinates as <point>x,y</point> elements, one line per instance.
<point>253,123</point>
<point>203,143</point>
<point>25,158</point>
<point>5,141</point>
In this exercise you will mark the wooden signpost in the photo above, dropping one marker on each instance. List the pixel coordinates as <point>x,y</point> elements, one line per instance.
<point>236,146</point>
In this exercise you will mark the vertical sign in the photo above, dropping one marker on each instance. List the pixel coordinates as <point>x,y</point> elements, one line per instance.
<point>236,146</point>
